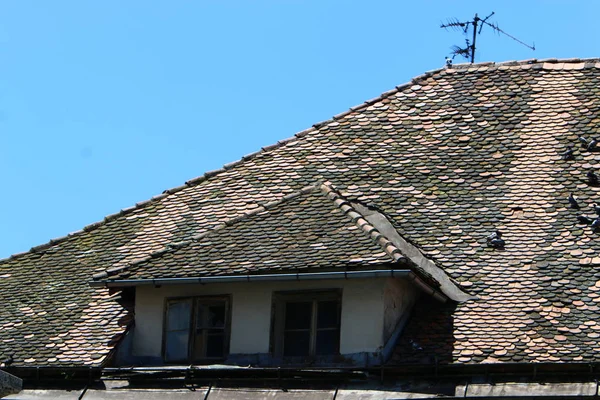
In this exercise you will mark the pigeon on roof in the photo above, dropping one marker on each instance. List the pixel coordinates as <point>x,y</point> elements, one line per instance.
<point>495,240</point>
<point>568,154</point>
<point>573,201</point>
<point>584,220</point>
<point>592,178</point>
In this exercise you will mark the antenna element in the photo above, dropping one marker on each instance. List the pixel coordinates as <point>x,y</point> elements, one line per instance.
<point>468,52</point>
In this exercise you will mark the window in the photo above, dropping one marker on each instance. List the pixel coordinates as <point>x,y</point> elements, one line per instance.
<point>196,329</point>
<point>307,324</point>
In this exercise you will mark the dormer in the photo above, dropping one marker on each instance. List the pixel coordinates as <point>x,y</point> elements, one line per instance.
<point>312,278</point>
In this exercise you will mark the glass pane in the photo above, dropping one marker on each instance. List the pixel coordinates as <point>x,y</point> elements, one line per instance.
<point>298,315</point>
<point>216,316</point>
<point>296,343</point>
<point>200,316</point>
<point>176,346</point>
<point>215,344</point>
<point>327,342</point>
<point>199,344</point>
<point>327,314</point>
<point>178,315</point>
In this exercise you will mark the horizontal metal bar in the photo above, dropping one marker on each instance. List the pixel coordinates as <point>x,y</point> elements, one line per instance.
<point>378,273</point>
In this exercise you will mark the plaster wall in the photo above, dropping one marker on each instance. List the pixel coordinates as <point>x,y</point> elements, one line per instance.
<point>362,318</point>
<point>399,297</point>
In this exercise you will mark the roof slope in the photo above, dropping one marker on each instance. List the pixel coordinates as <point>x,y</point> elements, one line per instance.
<point>304,232</point>
<point>448,158</point>
<point>49,317</point>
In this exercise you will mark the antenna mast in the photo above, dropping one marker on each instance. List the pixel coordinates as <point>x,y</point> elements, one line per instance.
<point>468,52</point>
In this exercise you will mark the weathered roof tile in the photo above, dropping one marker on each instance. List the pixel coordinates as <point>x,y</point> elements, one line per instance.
<point>447,157</point>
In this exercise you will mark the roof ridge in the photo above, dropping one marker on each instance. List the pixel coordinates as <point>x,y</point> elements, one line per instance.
<point>545,63</point>
<point>550,63</point>
<point>362,223</point>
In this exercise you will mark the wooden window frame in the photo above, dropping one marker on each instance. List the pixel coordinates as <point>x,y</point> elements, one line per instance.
<point>195,300</point>
<point>280,299</point>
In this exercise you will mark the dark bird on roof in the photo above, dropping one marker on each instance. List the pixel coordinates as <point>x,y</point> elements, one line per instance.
<point>584,142</point>
<point>597,209</point>
<point>496,243</point>
<point>448,62</point>
<point>584,220</point>
<point>568,154</point>
<point>573,202</point>
<point>592,178</point>
<point>495,235</point>
<point>596,225</point>
<point>592,145</point>
<point>495,240</point>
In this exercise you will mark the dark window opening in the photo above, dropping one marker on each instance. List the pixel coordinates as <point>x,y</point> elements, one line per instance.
<point>307,324</point>
<point>196,329</point>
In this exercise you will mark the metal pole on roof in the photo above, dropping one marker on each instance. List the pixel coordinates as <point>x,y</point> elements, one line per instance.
<point>475,21</point>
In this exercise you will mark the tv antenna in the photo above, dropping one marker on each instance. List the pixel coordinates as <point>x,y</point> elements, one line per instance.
<point>477,25</point>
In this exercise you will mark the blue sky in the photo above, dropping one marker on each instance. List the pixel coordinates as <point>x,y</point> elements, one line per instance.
<point>105,104</point>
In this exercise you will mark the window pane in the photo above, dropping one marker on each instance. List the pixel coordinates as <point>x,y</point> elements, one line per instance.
<point>327,342</point>
<point>216,316</point>
<point>327,314</point>
<point>176,346</point>
<point>210,315</point>
<point>199,344</point>
<point>200,316</point>
<point>215,344</point>
<point>298,315</point>
<point>296,343</point>
<point>178,315</point>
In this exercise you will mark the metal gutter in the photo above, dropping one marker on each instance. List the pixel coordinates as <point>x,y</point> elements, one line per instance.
<point>437,294</point>
<point>377,273</point>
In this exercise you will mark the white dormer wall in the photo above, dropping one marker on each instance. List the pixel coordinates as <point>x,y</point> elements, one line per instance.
<point>370,310</point>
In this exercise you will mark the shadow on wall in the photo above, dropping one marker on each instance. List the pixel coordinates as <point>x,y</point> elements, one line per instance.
<point>428,337</point>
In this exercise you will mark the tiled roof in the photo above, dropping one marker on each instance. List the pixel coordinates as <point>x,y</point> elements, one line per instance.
<point>448,158</point>
<point>311,230</point>
<point>49,317</point>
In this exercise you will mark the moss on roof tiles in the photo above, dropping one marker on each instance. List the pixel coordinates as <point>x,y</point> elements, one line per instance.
<point>303,232</point>
<point>448,157</point>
